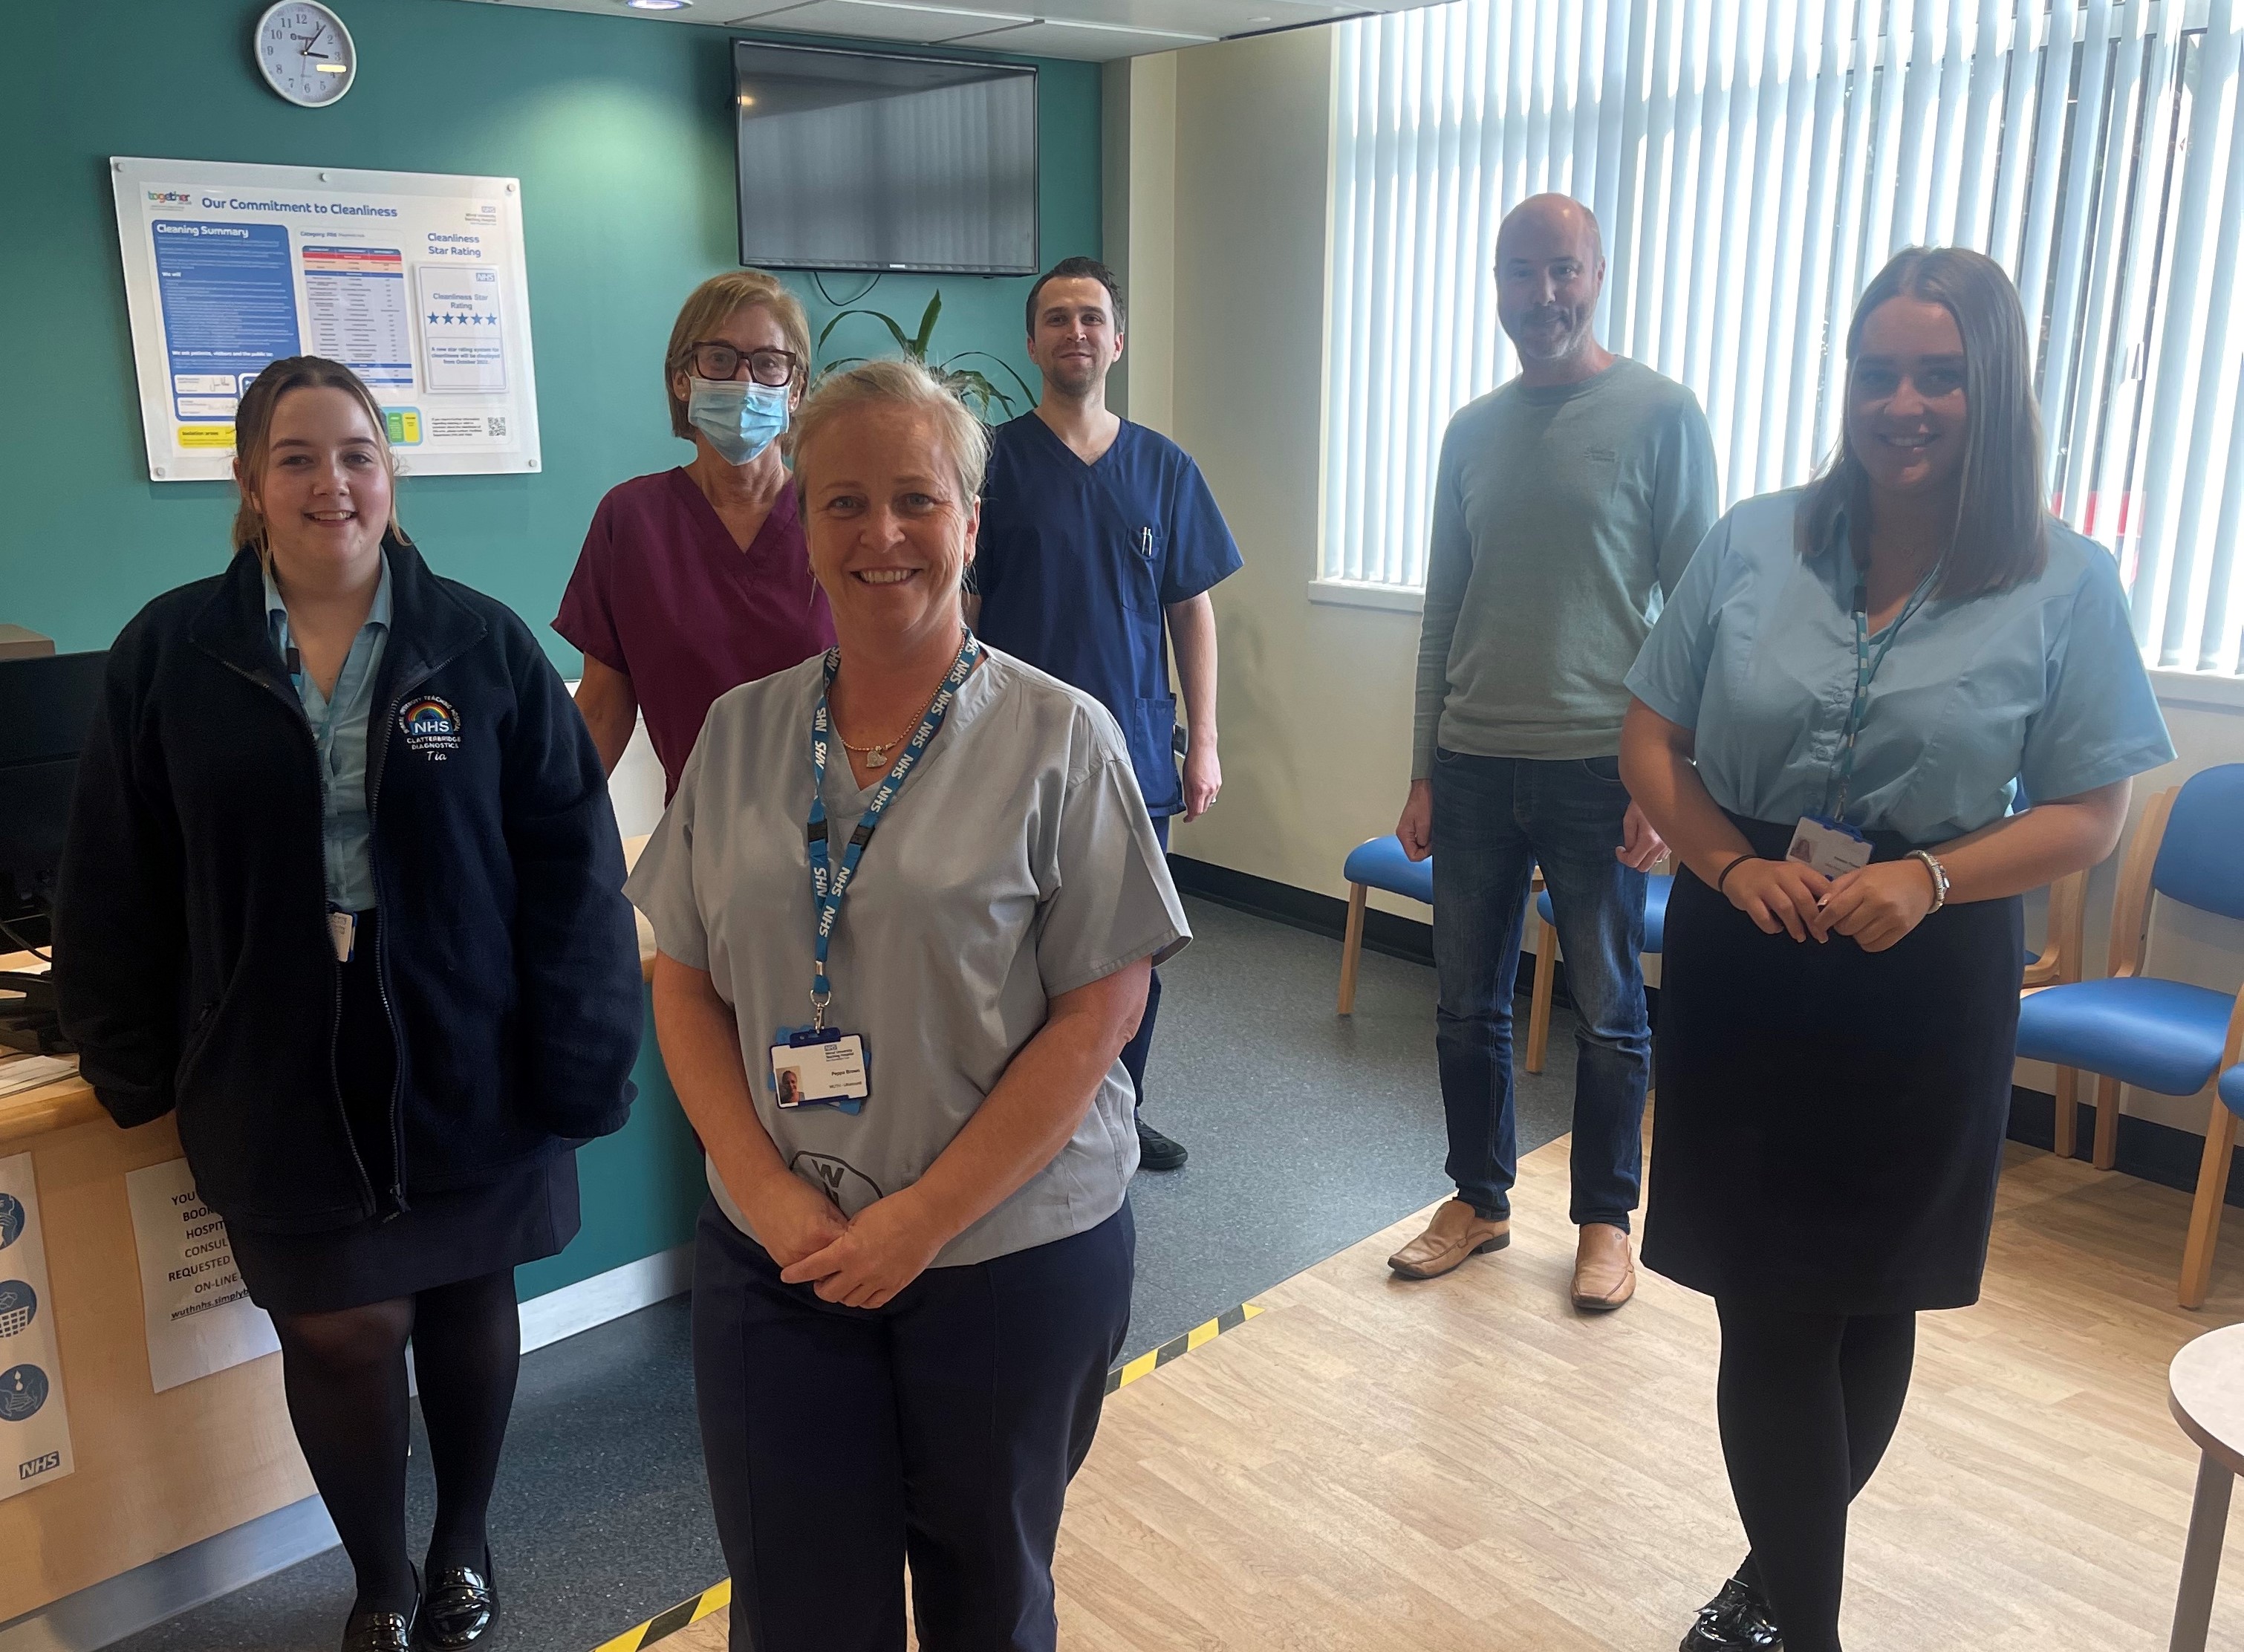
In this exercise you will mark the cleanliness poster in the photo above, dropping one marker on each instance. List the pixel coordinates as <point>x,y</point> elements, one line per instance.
<point>415,281</point>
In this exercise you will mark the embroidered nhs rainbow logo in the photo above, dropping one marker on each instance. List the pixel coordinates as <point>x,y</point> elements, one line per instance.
<point>431,727</point>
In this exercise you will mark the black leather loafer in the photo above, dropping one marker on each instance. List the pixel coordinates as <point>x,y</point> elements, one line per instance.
<point>459,1603</point>
<point>1736,1620</point>
<point>1156,1151</point>
<point>379,1631</point>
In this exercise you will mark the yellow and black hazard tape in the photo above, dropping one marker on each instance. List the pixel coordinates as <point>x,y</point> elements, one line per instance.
<point>715,1598</point>
<point>1146,1365</point>
<point>718,1596</point>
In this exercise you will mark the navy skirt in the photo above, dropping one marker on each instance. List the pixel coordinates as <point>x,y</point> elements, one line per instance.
<point>529,1212</point>
<point>1829,1122</point>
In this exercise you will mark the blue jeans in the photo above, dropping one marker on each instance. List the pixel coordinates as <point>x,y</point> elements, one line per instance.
<point>1494,820</point>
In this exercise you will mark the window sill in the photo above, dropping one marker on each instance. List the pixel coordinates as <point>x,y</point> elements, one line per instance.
<point>1353,593</point>
<point>2204,690</point>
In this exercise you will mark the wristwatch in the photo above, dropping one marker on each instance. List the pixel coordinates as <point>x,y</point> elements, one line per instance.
<point>1939,879</point>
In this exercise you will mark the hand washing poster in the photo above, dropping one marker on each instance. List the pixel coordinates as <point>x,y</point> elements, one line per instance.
<point>35,1442</point>
<point>200,1316</point>
<point>415,281</point>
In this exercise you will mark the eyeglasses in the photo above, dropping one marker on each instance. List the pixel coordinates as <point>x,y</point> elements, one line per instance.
<point>773,367</point>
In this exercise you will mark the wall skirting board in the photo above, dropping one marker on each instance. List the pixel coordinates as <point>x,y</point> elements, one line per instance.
<point>2148,1150</point>
<point>147,1594</point>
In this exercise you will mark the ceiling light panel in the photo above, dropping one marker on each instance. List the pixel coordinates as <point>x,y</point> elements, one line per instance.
<point>881,20</point>
<point>1092,43</point>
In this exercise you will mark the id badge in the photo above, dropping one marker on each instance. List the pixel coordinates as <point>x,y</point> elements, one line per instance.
<point>1830,847</point>
<point>343,934</point>
<point>819,1069</point>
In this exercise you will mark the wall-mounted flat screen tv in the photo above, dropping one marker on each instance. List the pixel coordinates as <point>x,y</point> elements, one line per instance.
<point>864,161</point>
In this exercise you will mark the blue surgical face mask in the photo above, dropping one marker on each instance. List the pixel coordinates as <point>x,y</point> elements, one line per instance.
<point>740,419</point>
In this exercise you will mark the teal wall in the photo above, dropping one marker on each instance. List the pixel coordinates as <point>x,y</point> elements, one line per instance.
<point>620,129</point>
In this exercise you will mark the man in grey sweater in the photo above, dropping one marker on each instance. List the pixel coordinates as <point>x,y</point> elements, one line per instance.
<point>1567,505</point>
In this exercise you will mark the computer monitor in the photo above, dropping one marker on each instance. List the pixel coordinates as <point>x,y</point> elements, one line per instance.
<point>47,704</point>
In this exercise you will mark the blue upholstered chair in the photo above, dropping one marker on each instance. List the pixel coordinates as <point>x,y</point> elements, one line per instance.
<point>1546,959</point>
<point>2171,1036</point>
<point>1378,863</point>
<point>2058,964</point>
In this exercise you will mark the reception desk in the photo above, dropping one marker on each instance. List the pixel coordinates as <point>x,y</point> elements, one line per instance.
<point>154,1472</point>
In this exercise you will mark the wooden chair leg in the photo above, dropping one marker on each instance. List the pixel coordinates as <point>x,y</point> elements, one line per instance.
<point>1351,947</point>
<point>2107,1122</point>
<point>2205,1209</point>
<point>1538,1012</point>
<point>2067,1145</point>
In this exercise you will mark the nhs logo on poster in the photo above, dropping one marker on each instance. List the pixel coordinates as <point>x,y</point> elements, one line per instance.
<point>45,1463</point>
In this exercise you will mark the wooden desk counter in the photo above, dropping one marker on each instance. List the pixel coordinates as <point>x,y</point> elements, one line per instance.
<point>154,1472</point>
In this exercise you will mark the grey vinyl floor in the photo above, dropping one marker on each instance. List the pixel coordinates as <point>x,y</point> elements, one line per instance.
<point>1305,1133</point>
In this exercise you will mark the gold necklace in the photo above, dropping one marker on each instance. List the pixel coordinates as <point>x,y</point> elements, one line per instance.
<point>875,756</point>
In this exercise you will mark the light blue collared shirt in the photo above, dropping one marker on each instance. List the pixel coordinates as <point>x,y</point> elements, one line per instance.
<point>2041,684</point>
<point>340,726</point>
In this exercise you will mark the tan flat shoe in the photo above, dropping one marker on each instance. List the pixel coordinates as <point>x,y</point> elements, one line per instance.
<point>1605,1273</point>
<point>1456,1232</point>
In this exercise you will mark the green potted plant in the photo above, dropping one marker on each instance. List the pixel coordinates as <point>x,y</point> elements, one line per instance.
<point>970,385</point>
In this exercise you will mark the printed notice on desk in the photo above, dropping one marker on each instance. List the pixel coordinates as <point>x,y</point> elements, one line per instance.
<point>200,1316</point>
<point>35,1442</point>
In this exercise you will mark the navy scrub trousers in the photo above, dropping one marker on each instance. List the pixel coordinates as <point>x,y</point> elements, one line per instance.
<point>943,1427</point>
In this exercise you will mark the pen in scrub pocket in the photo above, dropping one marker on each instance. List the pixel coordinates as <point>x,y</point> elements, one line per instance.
<point>1146,543</point>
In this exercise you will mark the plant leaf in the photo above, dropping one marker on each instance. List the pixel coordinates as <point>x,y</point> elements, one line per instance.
<point>903,343</point>
<point>1010,373</point>
<point>917,349</point>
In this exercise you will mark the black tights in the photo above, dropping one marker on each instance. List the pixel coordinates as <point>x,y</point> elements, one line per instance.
<point>345,1373</point>
<point>1808,1404</point>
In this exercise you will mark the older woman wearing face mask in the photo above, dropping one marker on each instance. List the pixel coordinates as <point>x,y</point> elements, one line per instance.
<point>907,897</point>
<point>342,890</point>
<point>695,581</point>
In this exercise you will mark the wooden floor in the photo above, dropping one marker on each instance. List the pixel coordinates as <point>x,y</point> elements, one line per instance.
<point>1372,1467</point>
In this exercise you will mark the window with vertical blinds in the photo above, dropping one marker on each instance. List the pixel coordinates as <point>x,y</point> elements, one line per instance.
<point>1753,163</point>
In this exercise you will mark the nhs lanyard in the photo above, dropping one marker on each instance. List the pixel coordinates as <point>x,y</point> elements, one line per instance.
<point>1842,778</point>
<point>829,886</point>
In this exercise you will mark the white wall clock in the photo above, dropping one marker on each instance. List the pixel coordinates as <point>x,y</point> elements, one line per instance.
<point>306,53</point>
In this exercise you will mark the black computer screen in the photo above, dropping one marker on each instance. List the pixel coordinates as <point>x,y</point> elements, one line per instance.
<point>46,706</point>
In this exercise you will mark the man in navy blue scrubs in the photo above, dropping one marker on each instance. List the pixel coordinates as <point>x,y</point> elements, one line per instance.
<point>1099,543</point>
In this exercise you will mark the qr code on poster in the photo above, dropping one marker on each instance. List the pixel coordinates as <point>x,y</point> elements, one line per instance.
<point>497,424</point>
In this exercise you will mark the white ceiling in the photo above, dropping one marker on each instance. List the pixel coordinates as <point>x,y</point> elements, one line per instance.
<point>1089,29</point>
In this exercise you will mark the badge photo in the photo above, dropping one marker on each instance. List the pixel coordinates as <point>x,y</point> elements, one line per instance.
<point>1830,847</point>
<point>819,1070</point>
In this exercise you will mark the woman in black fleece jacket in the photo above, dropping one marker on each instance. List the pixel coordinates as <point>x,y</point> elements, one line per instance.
<point>343,890</point>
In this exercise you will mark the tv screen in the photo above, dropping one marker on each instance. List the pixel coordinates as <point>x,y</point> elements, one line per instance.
<point>865,160</point>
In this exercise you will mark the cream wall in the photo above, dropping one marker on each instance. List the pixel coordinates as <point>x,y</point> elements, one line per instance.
<point>1222,154</point>
<point>1316,700</point>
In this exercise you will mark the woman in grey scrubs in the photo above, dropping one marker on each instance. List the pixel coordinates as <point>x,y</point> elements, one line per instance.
<point>907,899</point>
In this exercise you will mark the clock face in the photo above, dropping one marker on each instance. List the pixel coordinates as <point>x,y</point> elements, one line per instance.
<point>306,52</point>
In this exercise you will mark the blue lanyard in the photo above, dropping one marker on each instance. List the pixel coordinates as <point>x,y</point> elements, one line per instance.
<point>828,887</point>
<point>1841,778</point>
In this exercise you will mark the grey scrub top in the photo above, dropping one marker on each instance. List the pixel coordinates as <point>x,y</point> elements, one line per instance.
<point>1016,863</point>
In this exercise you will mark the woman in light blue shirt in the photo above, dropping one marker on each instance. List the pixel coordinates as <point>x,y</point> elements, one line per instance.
<point>1832,719</point>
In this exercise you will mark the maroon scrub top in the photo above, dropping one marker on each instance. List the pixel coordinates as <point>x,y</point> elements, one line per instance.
<point>662,594</point>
